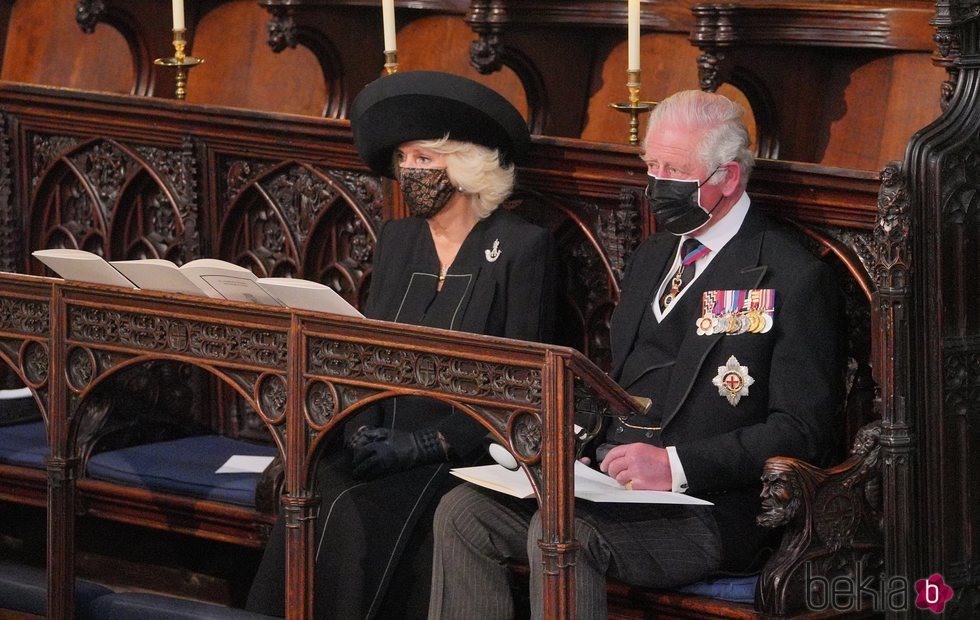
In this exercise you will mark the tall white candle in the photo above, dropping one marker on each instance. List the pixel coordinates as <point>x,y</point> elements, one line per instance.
<point>178,14</point>
<point>388,18</point>
<point>633,27</point>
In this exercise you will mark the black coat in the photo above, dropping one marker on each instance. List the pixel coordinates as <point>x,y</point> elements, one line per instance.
<point>375,556</point>
<point>797,367</point>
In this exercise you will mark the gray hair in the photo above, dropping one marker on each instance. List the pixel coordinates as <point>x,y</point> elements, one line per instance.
<point>476,171</point>
<point>724,137</point>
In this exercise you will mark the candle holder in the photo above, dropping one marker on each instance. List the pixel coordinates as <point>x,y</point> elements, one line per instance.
<point>181,61</point>
<point>634,107</point>
<point>391,61</point>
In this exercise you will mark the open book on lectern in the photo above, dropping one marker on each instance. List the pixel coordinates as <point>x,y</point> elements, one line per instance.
<point>204,277</point>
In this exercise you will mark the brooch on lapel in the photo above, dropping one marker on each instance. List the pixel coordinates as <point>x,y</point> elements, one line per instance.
<point>494,253</point>
<point>733,381</point>
<point>736,312</point>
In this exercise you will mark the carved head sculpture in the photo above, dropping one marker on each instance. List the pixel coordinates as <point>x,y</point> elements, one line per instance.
<point>787,486</point>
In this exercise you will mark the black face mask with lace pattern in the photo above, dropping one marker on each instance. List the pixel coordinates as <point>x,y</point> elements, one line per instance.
<point>426,190</point>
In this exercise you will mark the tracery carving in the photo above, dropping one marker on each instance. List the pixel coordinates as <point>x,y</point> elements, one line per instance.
<point>10,228</point>
<point>24,316</point>
<point>961,376</point>
<point>619,230</point>
<point>45,150</point>
<point>178,169</point>
<point>106,167</point>
<point>395,367</point>
<point>239,173</point>
<point>207,340</point>
<point>367,191</point>
<point>301,196</point>
<point>88,13</point>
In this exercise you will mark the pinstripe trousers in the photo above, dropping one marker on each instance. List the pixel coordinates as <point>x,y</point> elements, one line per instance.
<point>477,532</point>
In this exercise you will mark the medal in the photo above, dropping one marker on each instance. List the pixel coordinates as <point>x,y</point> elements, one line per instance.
<point>735,312</point>
<point>733,381</point>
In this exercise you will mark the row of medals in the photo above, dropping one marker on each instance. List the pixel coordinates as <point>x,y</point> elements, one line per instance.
<point>734,323</point>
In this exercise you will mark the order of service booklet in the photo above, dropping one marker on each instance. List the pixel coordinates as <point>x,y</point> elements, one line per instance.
<point>590,484</point>
<point>209,277</point>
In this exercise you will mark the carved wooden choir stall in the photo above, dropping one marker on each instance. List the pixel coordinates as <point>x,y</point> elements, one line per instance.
<point>247,170</point>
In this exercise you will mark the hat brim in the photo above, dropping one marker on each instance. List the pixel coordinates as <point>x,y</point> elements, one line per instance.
<point>427,105</point>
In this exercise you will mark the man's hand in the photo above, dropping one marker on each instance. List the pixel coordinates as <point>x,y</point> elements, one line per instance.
<point>639,466</point>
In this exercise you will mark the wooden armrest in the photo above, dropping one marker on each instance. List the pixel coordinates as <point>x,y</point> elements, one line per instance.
<point>833,525</point>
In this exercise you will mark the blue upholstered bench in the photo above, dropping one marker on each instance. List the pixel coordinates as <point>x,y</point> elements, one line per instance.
<point>24,445</point>
<point>183,467</point>
<point>24,589</point>
<point>143,606</point>
<point>733,589</point>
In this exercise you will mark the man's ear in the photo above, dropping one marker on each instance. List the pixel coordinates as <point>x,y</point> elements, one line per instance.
<point>733,178</point>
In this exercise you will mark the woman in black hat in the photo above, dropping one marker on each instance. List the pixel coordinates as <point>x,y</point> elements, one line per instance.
<point>458,263</point>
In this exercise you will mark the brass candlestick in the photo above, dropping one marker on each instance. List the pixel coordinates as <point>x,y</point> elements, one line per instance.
<point>181,61</point>
<point>634,106</point>
<point>391,61</point>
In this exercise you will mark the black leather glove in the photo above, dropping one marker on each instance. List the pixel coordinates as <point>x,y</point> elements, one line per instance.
<point>378,451</point>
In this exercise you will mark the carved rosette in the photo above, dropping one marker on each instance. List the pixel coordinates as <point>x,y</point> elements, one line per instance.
<point>525,435</point>
<point>34,361</point>
<point>81,368</point>
<point>282,29</point>
<point>891,241</point>
<point>321,403</point>
<point>24,316</point>
<point>88,13</point>
<point>271,390</point>
<point>205,340</point>
<point>443,373</point>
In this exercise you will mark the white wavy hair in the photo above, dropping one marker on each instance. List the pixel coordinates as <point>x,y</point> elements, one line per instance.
<point>724,135</point>
<point>474,170</point>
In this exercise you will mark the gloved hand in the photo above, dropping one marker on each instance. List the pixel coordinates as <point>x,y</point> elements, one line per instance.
<point>378,451</point>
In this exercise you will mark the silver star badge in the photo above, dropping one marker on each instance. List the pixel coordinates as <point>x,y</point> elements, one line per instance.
<point>733,381</point>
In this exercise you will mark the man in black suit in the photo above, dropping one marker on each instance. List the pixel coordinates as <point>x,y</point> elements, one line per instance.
<point>730,327</point>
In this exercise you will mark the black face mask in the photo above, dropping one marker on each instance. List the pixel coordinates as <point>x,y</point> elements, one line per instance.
<point>426,190</point>
<point>676,204</point>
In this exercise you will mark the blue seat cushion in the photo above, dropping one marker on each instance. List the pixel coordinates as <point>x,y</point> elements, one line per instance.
<point>183,467</point>
<point>25,589</point>
<point>733,589</point>
<point>144,606</point>
<point>24,445</point>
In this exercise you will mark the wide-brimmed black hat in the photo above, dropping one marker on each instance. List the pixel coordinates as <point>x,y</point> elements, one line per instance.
<point>426,105</point>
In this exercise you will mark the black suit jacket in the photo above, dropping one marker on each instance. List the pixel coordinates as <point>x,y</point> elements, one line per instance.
<point>797,367</point>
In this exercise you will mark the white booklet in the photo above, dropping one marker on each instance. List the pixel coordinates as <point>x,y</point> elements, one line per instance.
<point>208,277</point>
<point>590,484</point>
<point>82,266</point>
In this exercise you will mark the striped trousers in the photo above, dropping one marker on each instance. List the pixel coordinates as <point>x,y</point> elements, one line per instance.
<point>477,532</point>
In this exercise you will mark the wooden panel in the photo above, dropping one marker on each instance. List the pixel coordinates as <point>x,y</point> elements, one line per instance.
<point>45,46</point>
<point>240,70</point>
<point>884,102</point>
<point>441,43</point>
